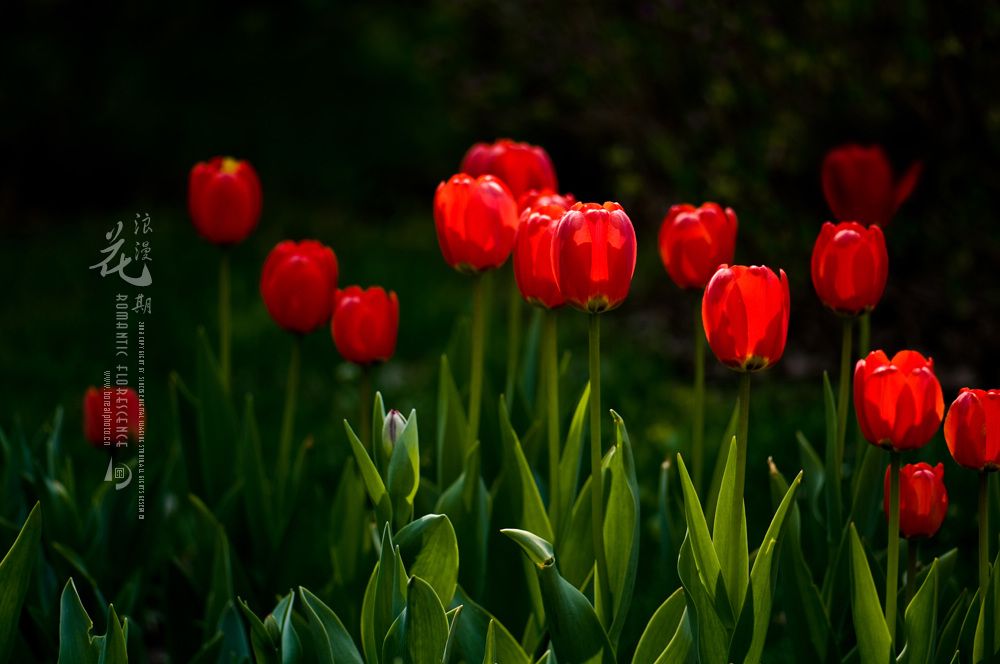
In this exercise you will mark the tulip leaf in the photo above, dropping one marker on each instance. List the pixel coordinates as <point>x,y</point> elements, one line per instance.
<point>469,637</point>
<point>291,645</point>
<point>518,483</point>
<point>76,645</point>
<point>948,643</point>
<point>333,642</point>
<point>721,459</point>
<point>808,623</point>
<point>660,629</point>
<point>967,637</point>
<point>987,643</point>
<point>258,493</point>
<point>575,631</point>
<point>15,576</point>
<point>404,472</point>
<point>668,523</point>
<point>722,532</point>
<point>869,488</point>
<point>217,429</point>
<point>569,462</point>
<point>874,641</point>
<point>420,632</point>
<point>834,509</point>
<point>235,647</point>
<point>390,589</point>
<point>466,503</point>
<point>113,650</point>
<point>755,616</point>
<point>452,446</point>
<point>368,643</point>
<point>813,477</point>
<point>490,654</point>
<point>220,592</point>
<point>921,621</point>
<point>576,547</point>
<point>265,650</point>
<point>712,635</point>
<point>373,481</point>
<point>429,549</point>
<point>209,651</point>
<point>347,523</point>
<point>380,453</point>
<point>705,559</point>
<point>621,527</point>
<point>454,617</point>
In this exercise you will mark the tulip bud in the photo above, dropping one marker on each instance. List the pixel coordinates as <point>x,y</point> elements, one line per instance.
<point>850,266</point>
<point>365,324</point>
<point>923,500</point>
<point>272,628</point>
<point>859,184</point>
<point>972,429</point>
<point>298,284</point>
<point>521,166</point>
<point>694,242</point>
<point>224,199</point>
<point>745,314</point>
<point>898,402</point>
<point>391,428</point>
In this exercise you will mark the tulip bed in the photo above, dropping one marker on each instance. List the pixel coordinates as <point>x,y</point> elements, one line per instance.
<point>530,523</point>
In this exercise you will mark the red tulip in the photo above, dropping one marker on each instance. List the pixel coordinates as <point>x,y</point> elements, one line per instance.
<point>898,402</point>
<point>858,184</point>
<point>538,197</point>
<point>850,267</point>
<point>533,269</point>
<point>593,255</point>
<point>745,314</point>
<point>522,167</point>
<point>298,284</point>
<point>972,429</point>
<point>476,219</point>
<point>923,500</point>
<point>694,242</point>
<point>365,324</point>
<point>224,199</point>
<point>111,416</point>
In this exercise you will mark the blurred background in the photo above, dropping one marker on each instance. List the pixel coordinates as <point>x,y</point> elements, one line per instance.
<point>352,113</point>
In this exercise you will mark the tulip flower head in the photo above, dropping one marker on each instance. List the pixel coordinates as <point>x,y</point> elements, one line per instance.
<point>745,314</point>
<point>224,200</point>
<point>298,284</point>
<point>694,242</point>
<point>475,218</point>
<point>859,185</point>
<point>521,166</point>
<point>111,416</point>
<point>923,500</point>
<point>898,402</point>
<point>365,324</point>
<point>972,429</point>
<point>850,266</point>
<point>538,197</point>
<point>594,255</point>
<point>533,269</point>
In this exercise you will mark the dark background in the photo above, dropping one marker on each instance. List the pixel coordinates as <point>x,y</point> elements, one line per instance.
<point>353,113</point>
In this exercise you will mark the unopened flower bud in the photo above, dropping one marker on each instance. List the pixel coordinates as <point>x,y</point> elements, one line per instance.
<point>391,428</point>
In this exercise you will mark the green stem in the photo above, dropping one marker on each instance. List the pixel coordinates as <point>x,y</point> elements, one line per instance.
<point>742,430</point>
<point>892,564</point>
<point>911,571</point>
<point>515,312</point>
<point>225,318</point>
<point>843,405</point>
<point>550,372</point>
<point>698,433</point>
<point>864,343</point>
<point>288,422</point>
<point>366,408</point>
<point>476,387</point>
<point>984,534</point>
<point>602,588</point>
